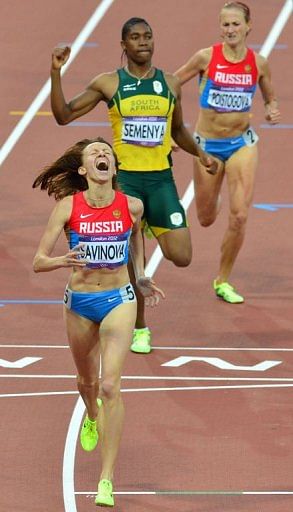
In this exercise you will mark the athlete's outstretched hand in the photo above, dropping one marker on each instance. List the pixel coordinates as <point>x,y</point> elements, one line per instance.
<point>60,56</point>
<point>72,258</point>
<point>209,162</point>
<point>149,290</point>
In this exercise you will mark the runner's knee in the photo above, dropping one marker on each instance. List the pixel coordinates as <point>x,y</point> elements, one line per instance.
<point>237,221</point>
<point>180,258</point>
<point>183,260</point>
<point>206,220</point>
<point>110,388</point>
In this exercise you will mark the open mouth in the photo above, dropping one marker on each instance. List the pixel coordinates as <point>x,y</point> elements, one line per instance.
<point>102,165</point>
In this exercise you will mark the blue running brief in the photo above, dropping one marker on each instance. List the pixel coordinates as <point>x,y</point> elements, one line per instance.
<point>96,305</point>
<point>225,148</point>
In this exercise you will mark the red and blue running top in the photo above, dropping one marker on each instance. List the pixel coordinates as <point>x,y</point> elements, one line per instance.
<point>103,233</point>
<point>228,86</point>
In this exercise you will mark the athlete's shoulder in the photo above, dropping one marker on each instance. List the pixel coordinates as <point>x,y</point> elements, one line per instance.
<point>207,52</point>
<point>261,63</point>
<point>204,56</point>
<point>201,59</point>
<point>135,206</point>
<point>260,59</point>
<point>104,84</point>
<point>172,82</point>
<point>67,201</point>
<point>63,208</point>
<point>195,65</point>
<point>104,78</point>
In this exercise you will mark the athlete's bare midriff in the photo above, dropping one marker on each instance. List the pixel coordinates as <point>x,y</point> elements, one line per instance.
<point>219,125</point>
<point>98,280</point>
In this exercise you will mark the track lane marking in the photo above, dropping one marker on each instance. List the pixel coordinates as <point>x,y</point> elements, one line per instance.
<point>215,349</point>
<point>141,390</point>
<point>89,494</point>
<point>153,378</point>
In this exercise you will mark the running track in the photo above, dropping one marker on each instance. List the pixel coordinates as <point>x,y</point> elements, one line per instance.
<point>209,432</point>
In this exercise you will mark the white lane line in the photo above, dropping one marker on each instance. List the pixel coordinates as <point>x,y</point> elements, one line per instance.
<point>45,91</point>
<point>35,346</point>
<point>145,390</point>
<point>218,349</point>
<point>265,493</point>
<point>215,349</point>
<point>277,28</point>
<point>69,456</point>
<point>125,493</point>
<point>153,378</point>
<point>205,388</point>
<point>35,376</point>
<point>188,493</point>
<point>40,393</point>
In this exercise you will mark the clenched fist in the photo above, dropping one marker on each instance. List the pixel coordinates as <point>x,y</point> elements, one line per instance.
<point>60,56</point>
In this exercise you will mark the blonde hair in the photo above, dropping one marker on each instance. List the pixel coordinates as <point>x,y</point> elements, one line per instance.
<point>241,6</point>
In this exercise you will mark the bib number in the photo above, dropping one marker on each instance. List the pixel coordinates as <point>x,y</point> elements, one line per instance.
<point>67,298</point>
<point>130,292</point>
<point>127,293</point>
<point>250,137</point>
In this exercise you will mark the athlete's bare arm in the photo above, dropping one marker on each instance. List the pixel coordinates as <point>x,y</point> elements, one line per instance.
<point>145,284</point>
<point>101,88</point>
<point>43,262</point>
<point>136,242</point>
<point>179,132</point>
<point>195,65</point>
<point>272,113</point>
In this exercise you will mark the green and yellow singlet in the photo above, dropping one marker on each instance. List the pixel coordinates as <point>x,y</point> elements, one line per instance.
<point>140,115</point>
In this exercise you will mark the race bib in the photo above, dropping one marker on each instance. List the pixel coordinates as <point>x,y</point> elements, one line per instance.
<point>101,251</point>
<point>250,137</point>
<point>144,131</point>
<point>230,101</point>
